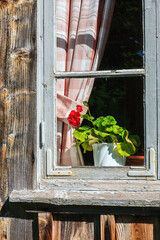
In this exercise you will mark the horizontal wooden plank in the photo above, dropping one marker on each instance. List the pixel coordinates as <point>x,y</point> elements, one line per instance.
<point>129,195</point>
<point>102,74</point>
<point>100,185</point>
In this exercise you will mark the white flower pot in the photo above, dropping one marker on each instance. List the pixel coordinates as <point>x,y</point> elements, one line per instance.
<point>106,155</point>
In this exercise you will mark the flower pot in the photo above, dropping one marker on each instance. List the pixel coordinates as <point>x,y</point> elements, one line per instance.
<point>106,155</point>
<point>135,160</point>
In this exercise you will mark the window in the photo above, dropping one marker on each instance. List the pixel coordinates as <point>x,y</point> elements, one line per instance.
<point>143,74</point>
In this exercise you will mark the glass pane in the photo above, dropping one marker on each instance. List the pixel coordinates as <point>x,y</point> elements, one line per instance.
<point>121,98</point>
<point>124,48</point>
<point>82,35</point>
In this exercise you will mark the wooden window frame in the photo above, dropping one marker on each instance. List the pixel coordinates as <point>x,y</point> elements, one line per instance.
<point>46,111</point>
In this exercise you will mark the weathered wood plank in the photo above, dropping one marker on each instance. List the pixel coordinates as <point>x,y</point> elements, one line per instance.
<point>136,227</point>
<point>73,227</point>
<point>129,227</point>
<point>17,106</point>
<point>100,185</point>
<point>107,223</point>
<point>92,198</point>
<point>45,226</point>
<point>4,228</point>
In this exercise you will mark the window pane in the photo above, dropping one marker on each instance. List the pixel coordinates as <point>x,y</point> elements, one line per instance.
<point>121,98</point>
<point>82,35</point>
<point>124,48</point>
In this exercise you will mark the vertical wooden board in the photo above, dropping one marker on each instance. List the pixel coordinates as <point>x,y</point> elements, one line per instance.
<point>129,228</point>
<point>4,228</point>
<point>21,229</point>
<point>107,225</point>
<point>17,105</point>
<point>73,227</point>
<point>45,221</point>
<point>137,227</point>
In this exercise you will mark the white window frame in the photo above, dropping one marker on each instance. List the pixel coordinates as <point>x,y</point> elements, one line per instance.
<point>46,99</point>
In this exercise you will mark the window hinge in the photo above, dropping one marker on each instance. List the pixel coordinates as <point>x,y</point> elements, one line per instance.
<point>42,134</point>
<point>150,172</point>
<point>53,170</point>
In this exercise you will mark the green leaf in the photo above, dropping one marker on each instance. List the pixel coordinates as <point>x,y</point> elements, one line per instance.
<point>126,148</point>
<point>92,139</point>
<point>84,128</point>
<point>105,121</point>
<point>98,121</point>
<point>99,133</point>
<point>109,120</point>
<point>109,129</point>
<point>117,129</point>
<point>81,136</point>
<point>86,147</point>
<point>85,103</point>
<point>92,118</point>
<point>85,116</point>
<point>135,139</point>
<point>125,134</point>
<point>114,138</point>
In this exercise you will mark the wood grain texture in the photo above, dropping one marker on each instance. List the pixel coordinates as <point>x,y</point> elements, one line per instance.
<point>75,227</point>
<point>108,226</point>
<point>84,198</point>
<point>129,228</point>
<point>17,105</point>
<point>45,226</point>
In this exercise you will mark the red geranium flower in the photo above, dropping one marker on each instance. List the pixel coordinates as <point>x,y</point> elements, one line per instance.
<point>74,118</point>
<point>79,108</point>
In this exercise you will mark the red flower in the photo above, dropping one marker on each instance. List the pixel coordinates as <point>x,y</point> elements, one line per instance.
<point>79,108</point>
<point>74,118</point>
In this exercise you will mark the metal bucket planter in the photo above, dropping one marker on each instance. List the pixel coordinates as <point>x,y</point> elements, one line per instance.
<point>106,155</point>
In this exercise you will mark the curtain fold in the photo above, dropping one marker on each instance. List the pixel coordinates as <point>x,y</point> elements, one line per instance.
<point>82,32</point>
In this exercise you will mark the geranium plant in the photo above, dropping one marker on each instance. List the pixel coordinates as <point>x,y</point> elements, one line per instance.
<point>102,130</point>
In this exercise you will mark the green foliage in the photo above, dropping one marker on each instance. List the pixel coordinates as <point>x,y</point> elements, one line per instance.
<point>105,129</point>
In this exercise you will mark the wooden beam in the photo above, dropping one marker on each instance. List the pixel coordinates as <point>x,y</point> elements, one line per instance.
<point>84,198</point>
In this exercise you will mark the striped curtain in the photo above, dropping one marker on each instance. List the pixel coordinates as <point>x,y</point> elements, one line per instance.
<point>82,32</point>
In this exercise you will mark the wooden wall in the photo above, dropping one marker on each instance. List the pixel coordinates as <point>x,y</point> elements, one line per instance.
<point>17,107</point>
<point>102,227</point>
<point>17,144</point>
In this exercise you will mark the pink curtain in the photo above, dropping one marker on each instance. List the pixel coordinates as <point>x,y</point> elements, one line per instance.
<point>82,32</point>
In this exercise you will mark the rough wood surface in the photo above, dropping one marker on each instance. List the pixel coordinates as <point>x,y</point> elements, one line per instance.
<point>118,193</point>
<point>75,227</point>
<point>129,228</point>
<point>136,227</point>
<point>17,106</point>
<point>107,223</point>
<point>100,185</point>
<point>45,226</point>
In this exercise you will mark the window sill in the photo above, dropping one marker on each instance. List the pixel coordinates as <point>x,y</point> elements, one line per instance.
<point>110,194</point>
